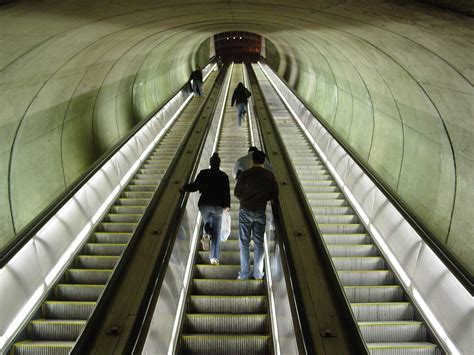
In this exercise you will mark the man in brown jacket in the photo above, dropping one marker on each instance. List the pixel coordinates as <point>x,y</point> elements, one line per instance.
<point>254,188</point>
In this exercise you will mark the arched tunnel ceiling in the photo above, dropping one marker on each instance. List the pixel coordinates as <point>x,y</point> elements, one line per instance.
<point>393,81</point>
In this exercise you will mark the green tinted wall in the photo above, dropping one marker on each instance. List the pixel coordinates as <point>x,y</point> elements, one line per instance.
<point>392,79</point>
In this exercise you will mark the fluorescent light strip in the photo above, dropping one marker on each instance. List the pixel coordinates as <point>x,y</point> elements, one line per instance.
<point>399,270</point>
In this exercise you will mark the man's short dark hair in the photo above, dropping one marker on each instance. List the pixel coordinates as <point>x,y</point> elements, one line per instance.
<point>215,161</point>
<point>258,157</point>
<point>253,149</point>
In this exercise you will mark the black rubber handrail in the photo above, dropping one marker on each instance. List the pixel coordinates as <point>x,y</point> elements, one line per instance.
<point>446,256</point>
<point>43,217</point>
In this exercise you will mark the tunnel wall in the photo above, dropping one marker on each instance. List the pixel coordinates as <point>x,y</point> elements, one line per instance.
<point>394,81</point>
<point>81,111</point>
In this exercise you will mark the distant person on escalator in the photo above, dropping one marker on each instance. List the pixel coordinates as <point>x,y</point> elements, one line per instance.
<point>196,79</point>
<point>213,184</point>
<point>246,162</point>
<point>240,97</point>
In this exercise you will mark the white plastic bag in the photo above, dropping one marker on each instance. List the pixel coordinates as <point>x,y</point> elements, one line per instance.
<point>225,226</point>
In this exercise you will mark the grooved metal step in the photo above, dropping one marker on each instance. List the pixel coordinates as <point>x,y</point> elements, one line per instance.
<point>52,329</point>
<point>198,344</point>
<point>226,323</point>
<point>227,304</point>
<point>402,331</point>
<point>39,347</point>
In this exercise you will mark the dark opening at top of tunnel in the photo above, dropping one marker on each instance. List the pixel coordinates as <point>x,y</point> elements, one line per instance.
<point>238,46</point>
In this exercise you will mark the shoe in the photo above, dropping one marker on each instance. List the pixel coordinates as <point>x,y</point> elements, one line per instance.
<point>205,242</point>
<point>214,261</point>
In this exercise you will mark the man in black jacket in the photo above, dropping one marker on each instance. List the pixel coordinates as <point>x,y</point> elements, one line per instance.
<point>240,97</point>
<point>196,78</point>
<point>254,188</point>
<point>213,184</point>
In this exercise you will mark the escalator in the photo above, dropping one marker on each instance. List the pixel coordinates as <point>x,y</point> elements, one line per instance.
<point>388,321</point>
<point>223,314</point>
<point>62,317</point>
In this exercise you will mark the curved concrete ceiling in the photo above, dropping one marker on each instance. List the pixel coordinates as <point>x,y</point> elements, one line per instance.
<point>394,82</point>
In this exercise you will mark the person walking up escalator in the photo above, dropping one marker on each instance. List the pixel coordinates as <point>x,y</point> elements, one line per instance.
<point>213,184</point>
<point>240,97</point>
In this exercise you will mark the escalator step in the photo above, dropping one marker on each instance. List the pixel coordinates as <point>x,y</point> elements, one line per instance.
<point>226,257</point>
<point>112,237</point>
<point>122,217</point>
<point>141,188</point>
<point>71,292</point>
<point>137,194</point>
<point>227,304</point>
<point>128,209</point>
<point>206,344</point>
<point>52,329</point>
<point>109,249</point>
<point>126,201</point>
<point>366,277</point>
<point>323,195</point>
<point>359,263</point>
<point>226,323</point>
<point>38,347</point>
<point>404,348</point>
<point>233,245</point>
<point>341,250</point>
<point>397,331</point>
<point>96,261</point>
<point>386,293</point>
<point>228,287</point>
<point>88,276</point>
<point>324,203</point>
<point>332,210</point>
<point>117,227</point>
<point>360,238</point>
<point>67,309</point>
<point>393,311</point>
<point>207,271</point>
<point>341,228</point>
<point>336,219</point>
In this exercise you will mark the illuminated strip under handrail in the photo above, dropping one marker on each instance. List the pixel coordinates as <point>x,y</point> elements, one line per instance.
<point>42,260</point>
<point>430,297</point>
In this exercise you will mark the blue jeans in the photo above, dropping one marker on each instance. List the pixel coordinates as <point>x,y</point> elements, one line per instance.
<point>241,110</point>
<point>212,218</point>
<point>197,88</point>
<point>251,222</point>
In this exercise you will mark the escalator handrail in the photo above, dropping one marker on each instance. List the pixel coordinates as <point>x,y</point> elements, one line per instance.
<point>29,231</point>
<point>448,258</point>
